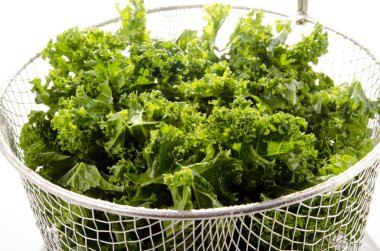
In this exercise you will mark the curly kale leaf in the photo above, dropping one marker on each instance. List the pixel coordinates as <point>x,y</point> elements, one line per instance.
<point>310,48</point>
<point>159,152</point>
<point>37,137</point>
<point>141,113</point>
<point>248,46</point>
<point>209,181</point>
<point>200,52</point>
<point>222,173</point>
<point>41,149</point>
<point>218,85</point>
<point>275,148</point>
<point>75,131</point>
<point>215,15</point>
<point>133,20</point>
<point>82,58</point>
<point>126,127</point>
<point>337,164</point>
<point>180,186</point>
<point>158,65</point>
<point>336,117</point>
<point>83,177</point>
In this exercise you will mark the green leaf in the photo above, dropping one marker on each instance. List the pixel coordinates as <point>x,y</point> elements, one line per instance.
<point>114,129</point>
<point>82,177</point>
<point>291,91</point>
<point>179,185</point>
<point>55,164</point>
<point>159,153</point>
<point>221,173</point>
<point>277,148</point>
<point>186,37</point>
<point>283,29</point>
<point>205,195</point>
<point>311,47</point>
<point>215,15</point>
<point>133,22</point>
<point>337,164</point>
<point>320,102</point>
<point>97,108</point>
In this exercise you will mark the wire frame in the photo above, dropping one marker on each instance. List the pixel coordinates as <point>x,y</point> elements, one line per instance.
<point>329,216</point>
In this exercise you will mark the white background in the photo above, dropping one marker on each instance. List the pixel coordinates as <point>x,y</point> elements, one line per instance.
<point>26,26</point>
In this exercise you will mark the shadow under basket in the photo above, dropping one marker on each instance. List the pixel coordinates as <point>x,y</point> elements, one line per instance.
<point>329,216</point>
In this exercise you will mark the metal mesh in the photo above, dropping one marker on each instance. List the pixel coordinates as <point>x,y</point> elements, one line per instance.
<point>298,226</point>
<point>330,216</point>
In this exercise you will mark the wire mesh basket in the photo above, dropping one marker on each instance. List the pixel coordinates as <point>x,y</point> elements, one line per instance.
<point>329,216</point>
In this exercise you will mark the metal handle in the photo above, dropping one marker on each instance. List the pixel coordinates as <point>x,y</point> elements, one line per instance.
<point>302,8</point>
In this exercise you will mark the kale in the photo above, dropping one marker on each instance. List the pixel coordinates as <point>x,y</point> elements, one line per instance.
<point>184,124</point>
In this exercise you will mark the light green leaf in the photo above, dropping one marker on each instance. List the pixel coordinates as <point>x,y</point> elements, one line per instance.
<point>277,148</point>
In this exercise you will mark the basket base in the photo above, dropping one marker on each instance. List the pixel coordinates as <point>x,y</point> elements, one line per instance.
<point>368,245</point>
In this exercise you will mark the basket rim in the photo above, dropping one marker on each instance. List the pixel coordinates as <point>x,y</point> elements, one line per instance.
<point>170,214</point>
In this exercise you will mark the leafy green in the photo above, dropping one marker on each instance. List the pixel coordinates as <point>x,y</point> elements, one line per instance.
<point>82,177</point>
<point>133,22</point>
<point>186,125</point>
<point>179,185</point>
<point>219,173</point>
